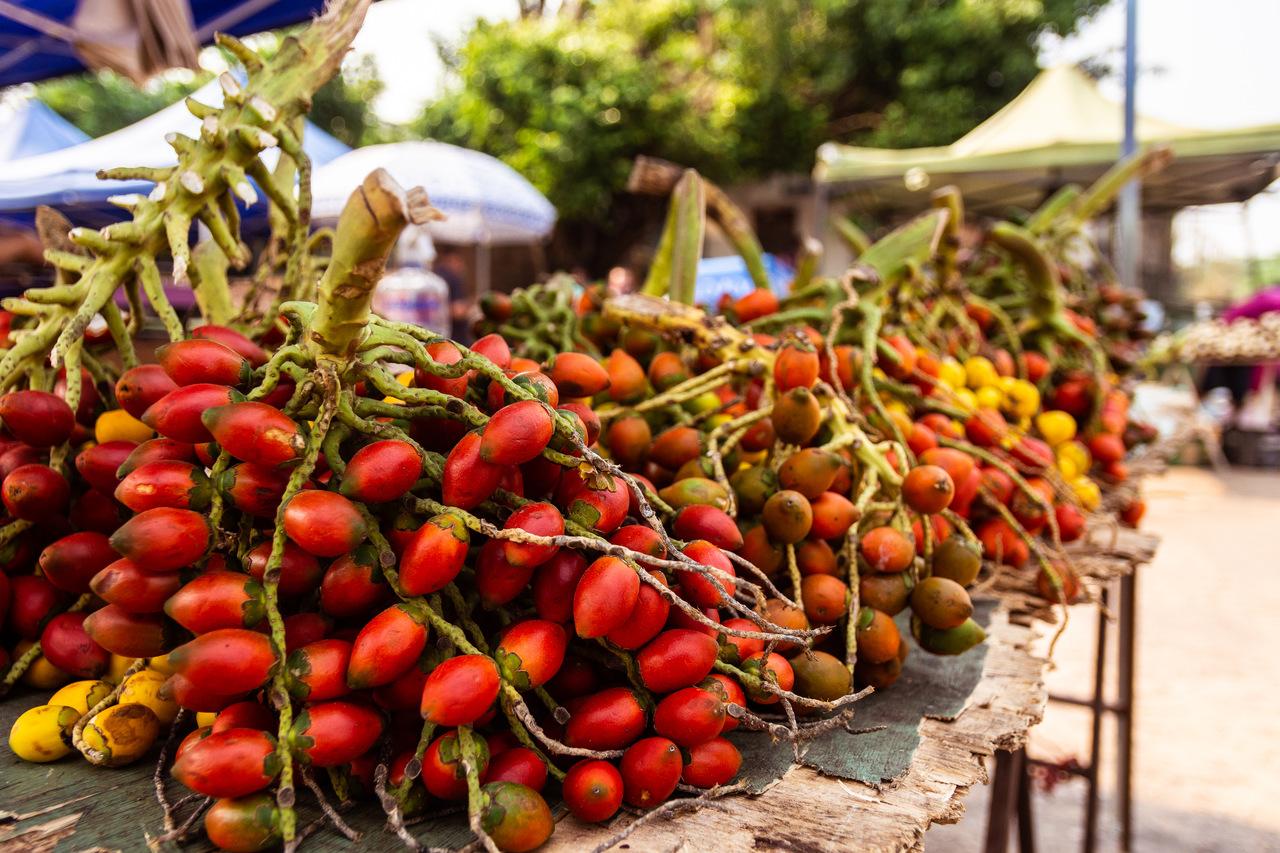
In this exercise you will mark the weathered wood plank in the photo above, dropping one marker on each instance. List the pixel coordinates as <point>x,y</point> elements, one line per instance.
<point>808,812</point>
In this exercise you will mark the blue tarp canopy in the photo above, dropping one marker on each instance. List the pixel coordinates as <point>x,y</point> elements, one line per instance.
<point>28,128</point>
<point>728,274</point>
<point>67,179</point>
<point>35,34</point>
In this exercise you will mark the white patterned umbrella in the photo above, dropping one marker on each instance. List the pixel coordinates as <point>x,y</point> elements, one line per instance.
<point>486,201</point>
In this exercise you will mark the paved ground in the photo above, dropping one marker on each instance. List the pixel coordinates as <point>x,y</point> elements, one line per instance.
<point>1207,767</point>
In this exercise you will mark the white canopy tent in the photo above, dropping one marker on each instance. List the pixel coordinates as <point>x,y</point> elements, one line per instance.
<point>486,202</point>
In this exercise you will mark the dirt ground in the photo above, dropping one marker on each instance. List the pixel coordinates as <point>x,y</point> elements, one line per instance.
<point>1207,726</point>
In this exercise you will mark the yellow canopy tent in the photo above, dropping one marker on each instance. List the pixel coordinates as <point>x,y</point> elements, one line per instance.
<point>1059,130</point>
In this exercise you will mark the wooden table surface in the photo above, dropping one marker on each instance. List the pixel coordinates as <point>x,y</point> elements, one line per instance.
<point>69,806</point>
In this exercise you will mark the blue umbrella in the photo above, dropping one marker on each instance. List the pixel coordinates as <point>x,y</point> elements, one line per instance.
<point>37,36</point>
<point>67,179</point>
<point>28,127</point>
<point>728,274</point>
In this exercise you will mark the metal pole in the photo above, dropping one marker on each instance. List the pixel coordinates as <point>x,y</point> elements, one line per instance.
<point>1129,212</point>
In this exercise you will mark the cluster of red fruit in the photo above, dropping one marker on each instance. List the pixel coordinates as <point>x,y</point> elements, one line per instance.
<point>364,567</point>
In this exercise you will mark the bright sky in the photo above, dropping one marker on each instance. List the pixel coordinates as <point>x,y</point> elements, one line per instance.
<point>1202,64</point>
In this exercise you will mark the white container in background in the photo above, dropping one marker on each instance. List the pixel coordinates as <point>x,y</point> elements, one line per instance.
<point>409,292</point>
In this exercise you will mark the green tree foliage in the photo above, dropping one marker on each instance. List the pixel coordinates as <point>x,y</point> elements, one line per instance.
<point>735,88</point>
<point>344,105</point>
<point>104,101</point>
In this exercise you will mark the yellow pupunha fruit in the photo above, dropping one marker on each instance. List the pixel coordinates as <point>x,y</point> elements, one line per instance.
<point>81,695</point>
<point>43,733</point>
<point>116,669</point>
<point>119,425</point>
<point>123,733</point>
<point>144,688</point>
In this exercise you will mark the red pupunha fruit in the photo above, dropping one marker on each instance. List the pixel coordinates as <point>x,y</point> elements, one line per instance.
<point>515,816</point>
<point>928,489</point>
<point>460,690</point>
<point>254,489</point>
<point>156,450</point>
<point>382,471</point>
<point>531,652</point>
<point>495,348</point>
<point>517,764</point>
<point>442,772</point>
<point>497,581</point>
<point>592,790</point>
<point>886,550</point>
<point>385,648</point>
<point>706,589</point>
<point>216,600</point>
<point>627,380</point>
<point>774,670</point>
<point>65,644</point>
<point>244,825</point>
<point>352,585</point>
<point>301,629</point>
<point>197,360</point>
<point>676,446</point>
<point>122,583</point>
<point>37,418</point>
<point>99,464</point>
<point>444,353</point>
<point>163,539</point>
<point>71,562</point>
<point>255,432</point>
<point>610,719</point>
<point>300,572</point>
<point>712,763</point>
<point>233,340</point>
<point>795,367</point>
<point>833,515</point>
<point>178,414</point>
<point>676,658</point>
<point>138,388</point>
<point>516,433</point>
<point>540,519</point>
<point>602,509</point>
<point>586,418</point>
<point>554,584</point>
<point>93,512</point>
<point>319,670</point>
<point>130,635</point>
<point>577,374</point>
<point>604,597</point>
<point>236,660</point>
<point>699,521</point>
<point>32,602</point>
<point>435,555</point>
<point>650,770</point>
<point>468,479</point>
<point>35,493</point>
<point>333,733</point>
<point>641,538</point>
<point>229,763</point>
<point>647,618</point>
<point>690,716</point>
<point>165,483</point>
<point>323,523</point>
<point>194,695</point>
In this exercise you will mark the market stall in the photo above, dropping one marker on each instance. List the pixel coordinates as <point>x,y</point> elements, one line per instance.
<point>308,575</point>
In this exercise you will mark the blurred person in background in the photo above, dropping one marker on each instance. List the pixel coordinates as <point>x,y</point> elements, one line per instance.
<point>451,266</point>
<point>621,281</point>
